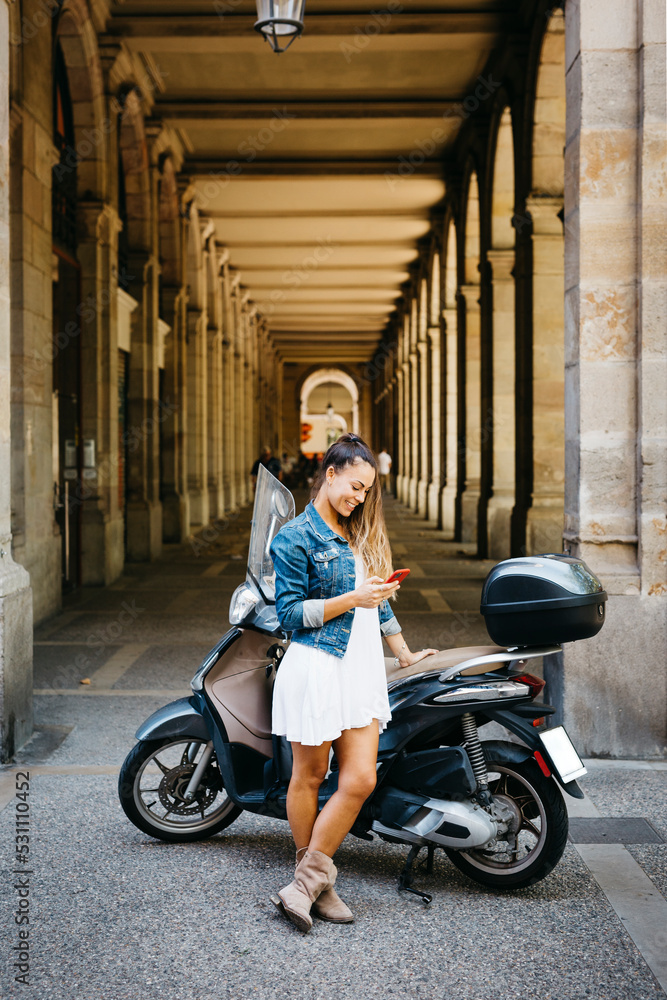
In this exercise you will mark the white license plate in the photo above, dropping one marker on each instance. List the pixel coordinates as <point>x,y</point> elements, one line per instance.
<point>562,754</point>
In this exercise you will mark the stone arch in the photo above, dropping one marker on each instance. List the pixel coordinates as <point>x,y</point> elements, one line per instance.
<point>133,157</point>
<point>502,198</point>
<point>78,40</point>
<point>435,284</point>
<point>169,226</point>
<point>320,377</point>
<point>501,260</point>
<point>195,271</point>
<point>548,133</point>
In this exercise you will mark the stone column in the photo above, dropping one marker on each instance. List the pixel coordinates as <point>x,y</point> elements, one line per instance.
<point>175,499</point>
<point>397,455</point>
<point>544,526</point>
<point>449,490</point>
<point>144,509</point>
<point>413,428</point>
<point>435,425</point>
<point>214,421</point>
<point>500,505</point>
<point>473,413</point>
<point>611,689</point>
<point>424,427</point>
<point>407,436</point>
<point>238,411</point>
<point>197,448</point>
<point>102,525</point>
<point>15,592</point>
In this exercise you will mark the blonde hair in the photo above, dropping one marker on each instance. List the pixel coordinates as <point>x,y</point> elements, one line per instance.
<point>365,527</point>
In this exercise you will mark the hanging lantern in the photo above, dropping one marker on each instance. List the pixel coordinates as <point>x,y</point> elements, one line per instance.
<point>280,21</point>
<point>331,413</point>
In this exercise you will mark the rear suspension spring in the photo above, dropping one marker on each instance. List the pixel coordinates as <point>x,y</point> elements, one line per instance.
<point>475,752</point>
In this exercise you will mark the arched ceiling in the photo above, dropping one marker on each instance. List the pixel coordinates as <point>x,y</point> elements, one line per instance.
<point>320,167</point>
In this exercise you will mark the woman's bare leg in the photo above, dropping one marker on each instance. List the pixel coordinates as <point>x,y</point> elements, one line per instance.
<point>356,752</point>
<point>309,767</point>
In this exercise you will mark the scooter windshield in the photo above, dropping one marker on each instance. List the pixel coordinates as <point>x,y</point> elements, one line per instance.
<point>274,507</point>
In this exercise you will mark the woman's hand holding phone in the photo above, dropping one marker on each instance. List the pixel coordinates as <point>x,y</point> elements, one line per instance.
<point>372,592</point>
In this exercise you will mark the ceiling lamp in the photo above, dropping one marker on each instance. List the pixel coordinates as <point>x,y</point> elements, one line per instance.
<point>280,21</point>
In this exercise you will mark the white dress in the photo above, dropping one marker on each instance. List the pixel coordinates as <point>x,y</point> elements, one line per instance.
<point>317,695</point>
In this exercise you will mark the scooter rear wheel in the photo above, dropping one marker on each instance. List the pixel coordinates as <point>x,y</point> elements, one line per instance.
<point>540,829</point>
<point>151,787</point>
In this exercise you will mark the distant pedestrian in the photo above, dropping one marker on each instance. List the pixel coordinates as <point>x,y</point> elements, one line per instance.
<point>384,468</point>
<point>272,464</point>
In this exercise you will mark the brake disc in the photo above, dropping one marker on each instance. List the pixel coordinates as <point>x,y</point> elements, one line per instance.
<point>174,784</point>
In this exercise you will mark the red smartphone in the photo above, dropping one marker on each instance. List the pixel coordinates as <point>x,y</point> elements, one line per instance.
<point>397,576</point>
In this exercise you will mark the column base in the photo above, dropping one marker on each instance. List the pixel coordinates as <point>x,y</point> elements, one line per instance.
<point>103,547</point>
<point>448,510</point>
<point>175,517</point>
<point>143,531</point>
<point>198,501</point>
<point>413,486</point>
<point>498,525</point>
<point>400,488</point>
<point>433,503</point>
<point>422,498</point>
<point>469,514</point>
<point>216,506</point>
<point>15,655</point>
<point>544,526</point>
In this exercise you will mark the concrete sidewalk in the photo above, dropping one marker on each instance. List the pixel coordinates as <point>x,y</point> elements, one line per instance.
<point>115,914</point>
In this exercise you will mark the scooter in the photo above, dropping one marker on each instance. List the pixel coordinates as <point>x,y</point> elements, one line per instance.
<point>496,807</point>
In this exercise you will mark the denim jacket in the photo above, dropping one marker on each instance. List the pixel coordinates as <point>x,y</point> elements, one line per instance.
<point>312,564</point>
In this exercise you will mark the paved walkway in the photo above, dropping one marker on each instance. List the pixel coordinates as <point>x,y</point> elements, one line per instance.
<point>115,915</point>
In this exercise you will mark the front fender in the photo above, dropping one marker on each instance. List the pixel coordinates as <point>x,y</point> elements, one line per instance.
<point>178,718</point>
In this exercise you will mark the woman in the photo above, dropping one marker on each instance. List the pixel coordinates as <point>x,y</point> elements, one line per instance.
<point>331,689</point>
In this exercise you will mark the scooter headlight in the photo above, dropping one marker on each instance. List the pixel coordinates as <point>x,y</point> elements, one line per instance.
<point>243,601</point>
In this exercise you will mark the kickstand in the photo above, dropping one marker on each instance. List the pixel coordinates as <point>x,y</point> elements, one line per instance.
<point>405,878</point>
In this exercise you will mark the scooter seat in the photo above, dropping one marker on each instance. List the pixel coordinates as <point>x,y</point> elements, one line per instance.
<point>442,660</point>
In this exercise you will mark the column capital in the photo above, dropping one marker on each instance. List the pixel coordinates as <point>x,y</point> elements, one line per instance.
<point>434,336</point>
<point>544,211</point>
<point>100,221</point>
<point>502,263</point>
<point>470,294</point>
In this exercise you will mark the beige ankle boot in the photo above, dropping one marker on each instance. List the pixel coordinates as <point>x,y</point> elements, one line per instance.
<point>328,905</point>
<point>314,874</point>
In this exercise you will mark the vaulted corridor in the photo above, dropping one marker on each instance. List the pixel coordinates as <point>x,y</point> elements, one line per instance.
<point>428,223</point>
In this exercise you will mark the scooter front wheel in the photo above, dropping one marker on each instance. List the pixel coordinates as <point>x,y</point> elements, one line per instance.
<point>152,785</point>
<point>535,842</point>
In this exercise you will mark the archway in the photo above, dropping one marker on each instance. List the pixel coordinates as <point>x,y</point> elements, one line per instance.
<point>329,406</point>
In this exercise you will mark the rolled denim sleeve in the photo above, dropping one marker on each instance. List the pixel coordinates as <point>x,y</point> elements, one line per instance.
<point>388,622</point>
<point>290,561</point>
